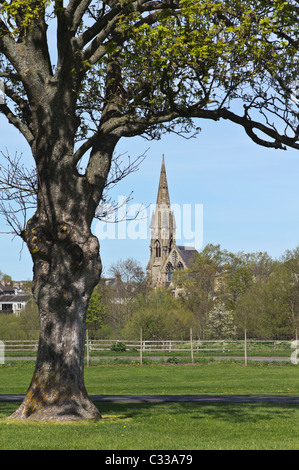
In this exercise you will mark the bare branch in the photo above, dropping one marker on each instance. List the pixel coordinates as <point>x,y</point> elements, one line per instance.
<point>18,192</point>
<point>12,118</point>
<point>119,170</point>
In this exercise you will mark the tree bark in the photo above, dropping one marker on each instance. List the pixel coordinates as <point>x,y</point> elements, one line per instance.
<point>62,288</point>
<point>67,267</point>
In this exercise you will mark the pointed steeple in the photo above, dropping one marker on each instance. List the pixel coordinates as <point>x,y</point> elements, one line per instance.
<point>163,194</point>
<point>162,229</point>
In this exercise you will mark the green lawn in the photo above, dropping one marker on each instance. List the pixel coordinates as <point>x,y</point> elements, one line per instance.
<point>176,426</point>
<point>211,379</point>
<point>161,426</point>
<point>215,378</point>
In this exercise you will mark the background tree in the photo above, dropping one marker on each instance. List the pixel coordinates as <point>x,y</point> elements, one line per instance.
<point>220,324</point>
<point>128,270</point>
<point>261,264</point>
<point>128,281</point>
<point>218,277</point>
<point>265,308</point>
<point>9,327</point>
<point>240,270</point>
<point>202,283</point>
<point>249,312</point>
<point>123,68</point>
<point>290,261</point>
<point>25,326</point>
<point>6,279</point>
<point>237,282</point>
<point>160,315</point>
<point>29,320</point>
<point>96,313</point>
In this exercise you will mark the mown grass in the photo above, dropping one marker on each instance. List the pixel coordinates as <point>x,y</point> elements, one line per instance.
<point>166,426</point>
<point>215,378</point>
<point>160,426</point>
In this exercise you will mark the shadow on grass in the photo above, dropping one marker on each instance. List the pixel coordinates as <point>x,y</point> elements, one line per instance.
<point>6,409</point>
<point>231,413</point>
<point>226,412</point>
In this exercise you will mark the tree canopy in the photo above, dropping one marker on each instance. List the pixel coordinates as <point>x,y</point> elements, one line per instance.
<point>145,67</point>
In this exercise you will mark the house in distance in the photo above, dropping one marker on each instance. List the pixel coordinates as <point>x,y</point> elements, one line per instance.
<point>12,298</point>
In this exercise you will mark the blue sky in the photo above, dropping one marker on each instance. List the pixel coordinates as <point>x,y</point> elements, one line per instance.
<point>249,194</point>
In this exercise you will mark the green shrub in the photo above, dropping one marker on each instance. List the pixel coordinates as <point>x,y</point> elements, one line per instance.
<point>118,347</point>
<point>172,360</point>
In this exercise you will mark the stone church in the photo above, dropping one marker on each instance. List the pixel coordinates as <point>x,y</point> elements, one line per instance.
<point>165,255</point>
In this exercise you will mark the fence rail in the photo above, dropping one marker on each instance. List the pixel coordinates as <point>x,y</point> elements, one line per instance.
<point>194,347</point>
<point>197,345</point>
<point>20,345</point>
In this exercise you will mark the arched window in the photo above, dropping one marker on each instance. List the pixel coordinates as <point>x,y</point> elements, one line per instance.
<point>158,249</point>
<point>180,266</point>
<point>169,272</point>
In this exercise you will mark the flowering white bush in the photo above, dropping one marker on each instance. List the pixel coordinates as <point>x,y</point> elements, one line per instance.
<point>221,322</point>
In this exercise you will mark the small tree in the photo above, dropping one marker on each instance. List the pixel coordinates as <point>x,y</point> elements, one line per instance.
<point>200,282</point>
<point>220,322</point>
<point>118,296</point>
<point>29,320</point>
<point>96,313</point>
<point>266,309</point>
<point>7,279</point>
<point>160,315</point>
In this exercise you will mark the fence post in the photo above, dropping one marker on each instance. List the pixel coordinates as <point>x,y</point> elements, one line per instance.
<point>245,347</point>
<point>2,351</point>
<point>191,346</point>
<point>141,346</point>
<point>87,349</point>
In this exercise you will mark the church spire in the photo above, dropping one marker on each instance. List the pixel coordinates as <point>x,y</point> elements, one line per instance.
<point>162,229</point>
<point>163,194</point>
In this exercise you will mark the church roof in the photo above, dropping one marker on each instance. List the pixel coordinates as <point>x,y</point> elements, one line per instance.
<point>186,253</point>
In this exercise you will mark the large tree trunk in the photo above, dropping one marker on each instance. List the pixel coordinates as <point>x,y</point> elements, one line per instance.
<point>62,288</point>
<point>67,267</point>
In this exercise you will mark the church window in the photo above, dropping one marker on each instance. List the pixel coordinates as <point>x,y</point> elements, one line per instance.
<point>169,272</point>
<point>180,266</point>
<point>158,249</point>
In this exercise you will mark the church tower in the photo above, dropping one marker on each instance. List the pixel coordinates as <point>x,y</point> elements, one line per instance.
<point>165,255</point>
<point>162,229</point>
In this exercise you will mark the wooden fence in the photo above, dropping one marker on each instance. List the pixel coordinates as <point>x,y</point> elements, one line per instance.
<point>191,349</point>
<point>197,346</point>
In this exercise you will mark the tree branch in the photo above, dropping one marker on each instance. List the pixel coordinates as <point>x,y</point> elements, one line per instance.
<point>99,31</point>
<point>4,109</point>
<point>85,147</point>
<point>279,140</point>
<point>22,103</point>
<point>75,12</point>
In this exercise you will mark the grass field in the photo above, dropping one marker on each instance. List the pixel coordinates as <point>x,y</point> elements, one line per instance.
<point>213,378</point>
<point>166,426</point>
